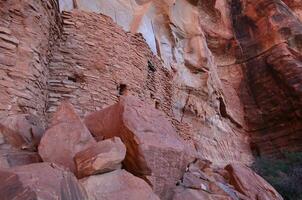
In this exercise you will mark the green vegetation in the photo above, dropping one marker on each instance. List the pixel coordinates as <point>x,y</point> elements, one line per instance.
<point>285,174</point>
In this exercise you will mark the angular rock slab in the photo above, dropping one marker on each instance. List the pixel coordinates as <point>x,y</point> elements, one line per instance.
<point>191,194</point>
<point>40,181</point>
<point>66,137</point>
<point>117,185</point>
<point>202,180</point>
<point>11,158</point>
<point>10,139</point>
<point>105,156</point>
<point>154,149</point>
<point>28,128</point>
<point>250,184</point>
<point>12,188</point>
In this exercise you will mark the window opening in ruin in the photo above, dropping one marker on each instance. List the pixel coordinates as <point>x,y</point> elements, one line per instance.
<point>73,79</point>
<point>122,88</point>
<point>151,67</point>
<point>157,105</point>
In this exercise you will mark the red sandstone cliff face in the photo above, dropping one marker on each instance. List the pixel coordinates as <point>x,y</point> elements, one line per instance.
<point>226,74</point>
<point>270,39</point>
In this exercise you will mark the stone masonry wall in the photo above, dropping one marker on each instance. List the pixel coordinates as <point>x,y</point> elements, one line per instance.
<point>96,62</point>
<point>27,30</point>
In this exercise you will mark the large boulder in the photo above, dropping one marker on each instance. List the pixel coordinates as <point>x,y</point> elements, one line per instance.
<point>66,136</point>
<point>117,185</point>
<point>155,152</point>
<point>105,156</point>
<point>250,184</point>
<point>40,181</point>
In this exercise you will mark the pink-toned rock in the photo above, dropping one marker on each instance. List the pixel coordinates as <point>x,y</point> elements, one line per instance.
<point>191,194</point>
<point>154,150</point>
<point>11,158</point>
<point>201,176</point>
<point>66,137</point>
<point>12,188</point>
<point>194,181</point>
<point>250,184</point>
<point>10,139</point>
<point>105,156</point>
<point>40,181</point>
<point>26,130</point>
<point>117,185</point>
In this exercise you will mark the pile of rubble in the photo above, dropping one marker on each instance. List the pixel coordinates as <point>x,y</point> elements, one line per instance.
<point>128,151</point>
